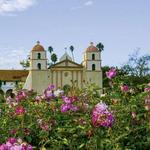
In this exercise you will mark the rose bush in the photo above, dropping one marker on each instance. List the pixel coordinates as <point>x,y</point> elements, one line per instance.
<point>118,119</point>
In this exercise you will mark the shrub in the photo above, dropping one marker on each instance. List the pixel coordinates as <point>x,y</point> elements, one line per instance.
<point>118,119</point>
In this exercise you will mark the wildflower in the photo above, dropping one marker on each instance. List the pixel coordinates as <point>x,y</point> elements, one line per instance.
<point>25,146</point>
<point>3,147</point>
<point>147,107</point>
<point>65,107</point>
<point>13,144</point>
<point>67,100</point>
<point>26,131</point>
<point>39,121</point>
<point>133,114</point>
<point>74,108</point>
<point>9,100</point>
<point>20,110</point>
<point>58,92</point>
<point>44,126</point>
<point>68,104</point>
<point>12,140</point>
<point>51,87</point>
<point>101,116</point>
<point>124,88</point>
<point>19,140</point>
<point>16,147</point>
<point>102,95</point>
<point>48,95</point>
<point>37,98</point>
<point>132,91</point>
<point>21,95</point>
<point>147,89</point>
<point>52,122</point>
<point>14,131</point>
<point>82,121</point>
<point>147,101</point>
<point>111,73</point>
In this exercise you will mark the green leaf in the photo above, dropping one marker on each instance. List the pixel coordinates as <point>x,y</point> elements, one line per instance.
<point>82,145</point>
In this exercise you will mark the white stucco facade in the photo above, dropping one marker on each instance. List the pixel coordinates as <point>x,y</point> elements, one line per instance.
<point>65,72</point>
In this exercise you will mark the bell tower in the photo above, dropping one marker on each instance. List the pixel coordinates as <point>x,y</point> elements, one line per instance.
<point>92,65</point>
<point>38,72</point>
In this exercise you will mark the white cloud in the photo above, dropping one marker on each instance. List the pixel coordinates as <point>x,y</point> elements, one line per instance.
<point>11,57</point>
<point>86,4</point>
<point>89,3</point>
<point>10,6</point>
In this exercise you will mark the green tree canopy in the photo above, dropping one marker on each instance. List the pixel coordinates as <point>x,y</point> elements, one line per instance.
<point>54,58</point>
<point>25,64</point>
<point>137,65</point>
<point>100,46</point>
<point>72,50</point>
<point>50,49</point>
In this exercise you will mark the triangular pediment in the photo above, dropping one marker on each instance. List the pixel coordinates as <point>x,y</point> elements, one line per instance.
<point>67,63</point>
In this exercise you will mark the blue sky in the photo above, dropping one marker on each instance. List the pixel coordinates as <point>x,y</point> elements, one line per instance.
<point>121,25</point>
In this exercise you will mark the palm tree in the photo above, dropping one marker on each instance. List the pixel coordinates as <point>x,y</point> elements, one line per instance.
<point>54,58</point>
<point>25,64</point>
<point>72,49</point>
<point>50,49</point>
<point>100,46</point>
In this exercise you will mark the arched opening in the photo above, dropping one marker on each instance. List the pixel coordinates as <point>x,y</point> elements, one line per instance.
<point>16,83</point>
<point>4,83</point>
<point>9,92</point>
<point>93,56</point>
<point>39,66</point>
<point>93,67</point>
<point>2,92</point>
<point>39,55</point>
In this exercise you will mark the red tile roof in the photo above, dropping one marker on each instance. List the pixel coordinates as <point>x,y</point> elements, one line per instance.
<point>13,75</point>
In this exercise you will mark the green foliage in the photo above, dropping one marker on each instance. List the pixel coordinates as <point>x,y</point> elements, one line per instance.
<point>100,46</point>
<point>54,58</point>
<point>25,64</point>
<point>137,65</point>
<point>72,50</point>
<point>50,49</point>
<point>44,125</point>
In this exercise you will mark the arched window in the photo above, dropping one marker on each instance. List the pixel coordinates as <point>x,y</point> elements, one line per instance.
<point>16,83</point>
<point>93,67</point>
<point>39,55</point>
<point>93,56</point>
<point>39,66</point>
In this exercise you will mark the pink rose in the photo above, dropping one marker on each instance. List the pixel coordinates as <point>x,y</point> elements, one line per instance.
<point>124,88</point>
<point>20,110</point>
<point>111,73</point>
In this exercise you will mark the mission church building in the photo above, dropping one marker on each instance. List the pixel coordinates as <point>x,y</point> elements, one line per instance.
<point>65,71</point>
